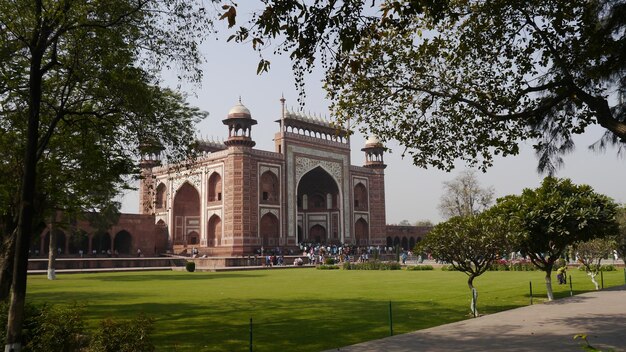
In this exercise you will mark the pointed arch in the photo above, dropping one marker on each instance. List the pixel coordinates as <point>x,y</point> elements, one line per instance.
<point>361,232</point>
<point>269,188</point>
<point>214,231</point>
<point>186,212</point>
<point>122,242</point>
<point>215,188</point>
<point>269,230</point>
<point>360,197</point>
<point>161,197</point>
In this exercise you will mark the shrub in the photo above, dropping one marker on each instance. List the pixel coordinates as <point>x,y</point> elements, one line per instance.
<point>604,267</point>
<point>327,267</point>
<point>57,328</point>
<point>123,336</point>
<point>48,328</point>
<point>329,261</point>
<point>522,265</point>
<point>448,267</point>
<point>373,265</point>
<point>419,267</point>
<point>513,265</point>
<point>190,266</point>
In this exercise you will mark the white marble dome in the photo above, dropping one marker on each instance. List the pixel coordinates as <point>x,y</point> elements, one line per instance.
<point>372,141</point>
<point>239,110</point>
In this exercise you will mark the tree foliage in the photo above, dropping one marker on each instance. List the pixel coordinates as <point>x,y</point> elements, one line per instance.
<point>469,243</point>
<point>556,215</point>
<point>79,95</point>
<point>591,253</point>
<point>463,196</point>
<point>461,80</point>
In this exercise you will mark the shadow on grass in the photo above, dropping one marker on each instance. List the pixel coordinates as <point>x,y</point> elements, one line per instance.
<point>278,324</point>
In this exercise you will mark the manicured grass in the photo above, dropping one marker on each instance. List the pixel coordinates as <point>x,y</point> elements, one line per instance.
<point>292,310</point>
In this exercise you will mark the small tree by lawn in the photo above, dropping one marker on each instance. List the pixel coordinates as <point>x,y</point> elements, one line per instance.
<point>591,253</point>
<point>621,237</point>
<point>469,243</point>
<point>556,215</point>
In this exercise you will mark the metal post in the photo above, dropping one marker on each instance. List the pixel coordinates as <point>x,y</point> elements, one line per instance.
<point>531,292</point>
<point>250,334</point>
<point>602,278</point>
<point>390,320</point>
<point>571,292</point>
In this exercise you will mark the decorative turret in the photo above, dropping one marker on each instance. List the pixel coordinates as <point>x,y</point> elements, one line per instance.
<point>150,158</point>
<point>150,154</point>
<point>374,151</point>
<point>239,124</point>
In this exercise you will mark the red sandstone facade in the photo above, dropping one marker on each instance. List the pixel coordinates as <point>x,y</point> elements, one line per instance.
<point>132,232</point>
<point>234,199</point>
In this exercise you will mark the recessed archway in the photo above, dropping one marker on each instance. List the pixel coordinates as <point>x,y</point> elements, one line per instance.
<point>100,242</point>
<point>361,232</point>
<point>317,234</point>
<point>123,242</point>
<point>215,188</point>
<point>214,231</point>
<point>269,188</point>
<point>161,196</point>
<point>269,230</point>
<point>186,212</point>
<point>360,197</point>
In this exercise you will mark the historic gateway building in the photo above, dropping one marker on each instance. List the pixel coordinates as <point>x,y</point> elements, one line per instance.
<point>234,199</point>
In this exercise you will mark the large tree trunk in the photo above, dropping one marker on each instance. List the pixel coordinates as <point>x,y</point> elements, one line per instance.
<point>549,284</point>
<point>52,252</point>
<point>6,267</point>
<point>27,196</point>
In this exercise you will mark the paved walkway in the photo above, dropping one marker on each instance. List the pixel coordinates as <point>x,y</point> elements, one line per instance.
<point>541,327</point>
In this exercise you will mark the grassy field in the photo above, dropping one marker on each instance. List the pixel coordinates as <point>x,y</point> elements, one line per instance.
<point>292,310</point>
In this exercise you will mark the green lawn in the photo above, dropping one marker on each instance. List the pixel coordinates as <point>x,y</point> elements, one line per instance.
<point>298,309</point>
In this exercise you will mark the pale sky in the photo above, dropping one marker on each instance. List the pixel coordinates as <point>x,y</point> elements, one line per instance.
<point>411,193</point>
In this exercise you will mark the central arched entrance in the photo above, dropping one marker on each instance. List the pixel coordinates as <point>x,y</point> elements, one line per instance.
<point>186,213</point>
<point>319,207</point>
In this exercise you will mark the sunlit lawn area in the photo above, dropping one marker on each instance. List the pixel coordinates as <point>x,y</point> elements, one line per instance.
<point>292,310</point>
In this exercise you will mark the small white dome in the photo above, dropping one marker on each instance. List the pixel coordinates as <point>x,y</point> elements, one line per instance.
<point>239,110</point>
<point>372,140</point>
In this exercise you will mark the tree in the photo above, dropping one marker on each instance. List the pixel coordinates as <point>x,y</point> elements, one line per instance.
<point>73,69</point>
<point>469,243</point>
<point>424,223</point>
<point>621,237</point>
<point>556,215</point>
<point>404,222</point>
<point>591,253</point>
<point>463,196</point>
<point>461,80</point>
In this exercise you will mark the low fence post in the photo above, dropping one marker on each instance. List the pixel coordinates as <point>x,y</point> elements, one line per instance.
<point>250,334</point>
<point>390,320</point>
<point>571,292</point>
<point>531,292</point>
<point>602,278</point>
